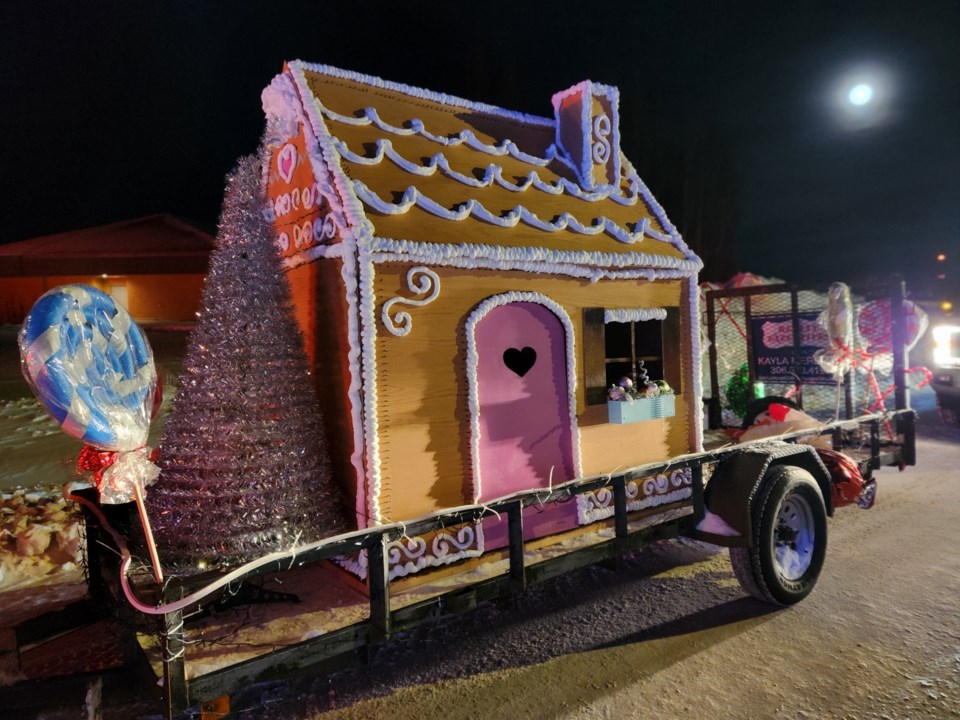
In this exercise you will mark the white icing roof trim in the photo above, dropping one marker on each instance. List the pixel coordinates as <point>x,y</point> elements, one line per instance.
<point>352,207</point>
<point>323,154</point>
<point>416,126</point>
<point>421,93</point>
<point>565,221</point>
<point>492,174</point>
<point>284,111</point>
<point>622,315</point>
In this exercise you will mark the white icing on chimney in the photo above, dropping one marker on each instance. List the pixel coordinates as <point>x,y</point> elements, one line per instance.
<point>588,132</point>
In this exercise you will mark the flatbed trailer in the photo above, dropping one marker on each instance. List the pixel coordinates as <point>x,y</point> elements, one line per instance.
<point>335,621</point>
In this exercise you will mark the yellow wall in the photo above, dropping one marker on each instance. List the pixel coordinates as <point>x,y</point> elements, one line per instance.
<point>422,390</point>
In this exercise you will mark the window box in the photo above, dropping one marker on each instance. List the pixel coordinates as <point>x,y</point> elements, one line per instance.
<point>622,411</point>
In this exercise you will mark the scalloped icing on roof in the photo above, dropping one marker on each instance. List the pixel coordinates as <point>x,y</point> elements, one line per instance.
<point>423,167</point>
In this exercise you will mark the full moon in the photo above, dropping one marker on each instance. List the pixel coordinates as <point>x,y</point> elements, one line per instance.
<point>860,94</point>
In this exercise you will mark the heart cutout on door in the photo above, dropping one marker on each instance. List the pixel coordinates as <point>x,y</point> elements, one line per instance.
<point>520,361</point>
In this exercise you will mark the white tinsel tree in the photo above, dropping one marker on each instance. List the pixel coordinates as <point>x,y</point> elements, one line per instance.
<point>244,470</point>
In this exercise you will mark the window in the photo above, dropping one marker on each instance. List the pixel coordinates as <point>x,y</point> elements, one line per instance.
<point>616,342</point>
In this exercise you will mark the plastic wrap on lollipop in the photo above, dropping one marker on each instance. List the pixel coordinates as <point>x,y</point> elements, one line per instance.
<point>91,367</point>
<point>837,320</point>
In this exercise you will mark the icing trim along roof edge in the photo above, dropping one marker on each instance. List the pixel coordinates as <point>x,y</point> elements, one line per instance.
<point>357,196</point>
<point>421,93</point>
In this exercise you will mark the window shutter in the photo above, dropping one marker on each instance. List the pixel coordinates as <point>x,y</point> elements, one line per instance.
<point>594,357</point>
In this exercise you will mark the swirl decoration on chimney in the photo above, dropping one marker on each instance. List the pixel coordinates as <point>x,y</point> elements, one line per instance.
<point>601,131</point>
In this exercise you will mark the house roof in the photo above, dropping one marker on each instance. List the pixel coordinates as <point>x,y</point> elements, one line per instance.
<point>421,167</point>
<point>153,244</point>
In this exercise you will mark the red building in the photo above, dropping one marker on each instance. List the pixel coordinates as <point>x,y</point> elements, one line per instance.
<point>153,265</point>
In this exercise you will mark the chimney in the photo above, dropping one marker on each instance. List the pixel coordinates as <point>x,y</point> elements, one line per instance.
<point>588,132</point>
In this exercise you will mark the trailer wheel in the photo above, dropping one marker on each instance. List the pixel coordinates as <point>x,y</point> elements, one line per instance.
<point>789,538</point>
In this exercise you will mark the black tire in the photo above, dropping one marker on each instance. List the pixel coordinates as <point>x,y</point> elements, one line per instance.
<point>789,538</point>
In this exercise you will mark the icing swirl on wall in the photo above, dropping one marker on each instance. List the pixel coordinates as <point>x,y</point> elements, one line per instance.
<point>420,281</point>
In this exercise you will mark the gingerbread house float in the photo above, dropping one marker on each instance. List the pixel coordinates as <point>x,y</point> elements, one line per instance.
<point>470,281</point>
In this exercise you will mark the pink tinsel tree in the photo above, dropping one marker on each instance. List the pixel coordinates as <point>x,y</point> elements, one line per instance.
<point>244,470</point>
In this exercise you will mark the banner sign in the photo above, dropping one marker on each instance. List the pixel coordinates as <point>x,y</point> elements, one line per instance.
<point>773,352</point>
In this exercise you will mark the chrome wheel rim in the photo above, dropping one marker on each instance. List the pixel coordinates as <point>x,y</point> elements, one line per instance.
<point>794,537</point>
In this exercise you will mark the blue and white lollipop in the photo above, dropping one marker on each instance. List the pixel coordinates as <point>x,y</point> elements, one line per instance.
<point>91,366</point>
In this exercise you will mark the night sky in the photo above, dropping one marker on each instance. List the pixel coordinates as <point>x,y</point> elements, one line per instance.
<point>734,113</point>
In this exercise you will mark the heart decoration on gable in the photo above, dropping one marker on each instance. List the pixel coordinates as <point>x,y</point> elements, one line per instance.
<point>520,361</point>
<point>287,162</point>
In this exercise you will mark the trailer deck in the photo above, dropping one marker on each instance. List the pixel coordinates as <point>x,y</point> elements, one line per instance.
<point>336,618</point>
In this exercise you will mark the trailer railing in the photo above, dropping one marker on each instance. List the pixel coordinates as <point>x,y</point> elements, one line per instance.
<point>330,650</point>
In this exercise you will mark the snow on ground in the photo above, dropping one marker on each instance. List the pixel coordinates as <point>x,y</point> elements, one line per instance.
<point>40,542</point>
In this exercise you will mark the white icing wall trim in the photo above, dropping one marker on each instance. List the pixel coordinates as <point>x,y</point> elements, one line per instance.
<point>285,113</point>
<point>473,400</point>
<point>622,315</point>
<point>285,110</point>
<point>694,404</point>
<point>550,260</point>
<point>492,174</point>
<point>368,369</point>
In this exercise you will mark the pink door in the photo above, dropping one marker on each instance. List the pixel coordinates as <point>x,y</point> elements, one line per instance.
<point>523,406</point>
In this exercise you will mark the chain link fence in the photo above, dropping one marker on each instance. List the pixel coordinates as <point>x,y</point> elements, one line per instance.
<point>771,340</point>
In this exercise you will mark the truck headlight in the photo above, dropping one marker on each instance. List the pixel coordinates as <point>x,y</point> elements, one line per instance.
<point>946,345</point>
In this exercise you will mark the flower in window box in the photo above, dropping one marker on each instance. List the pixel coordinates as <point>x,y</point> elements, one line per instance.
<point>624,390</point>
<point>665,388</point>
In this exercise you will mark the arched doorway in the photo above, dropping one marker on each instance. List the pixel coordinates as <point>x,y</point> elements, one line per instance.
<point>524,433</point>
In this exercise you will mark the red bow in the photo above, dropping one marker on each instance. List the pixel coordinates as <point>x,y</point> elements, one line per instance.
<point>94,460</point>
